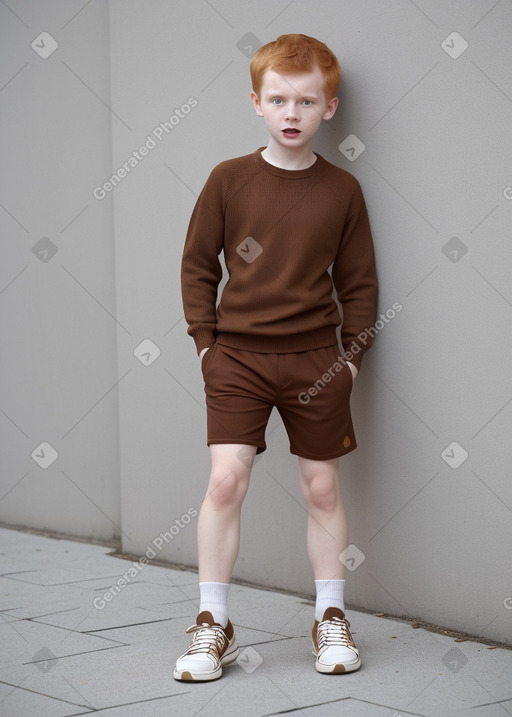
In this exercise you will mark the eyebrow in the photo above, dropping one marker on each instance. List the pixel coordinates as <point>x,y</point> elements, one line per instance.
<point>275,93</point>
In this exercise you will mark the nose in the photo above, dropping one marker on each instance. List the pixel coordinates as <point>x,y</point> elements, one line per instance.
<point>291,112</point>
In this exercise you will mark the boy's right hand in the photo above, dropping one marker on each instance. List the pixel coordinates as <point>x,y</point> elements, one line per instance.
<point>202,353</point>
<point>353,370</point>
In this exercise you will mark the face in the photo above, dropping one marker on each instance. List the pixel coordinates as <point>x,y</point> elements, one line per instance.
<point>293,105</point>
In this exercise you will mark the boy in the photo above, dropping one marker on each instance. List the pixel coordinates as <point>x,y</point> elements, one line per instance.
<point>283,216</point>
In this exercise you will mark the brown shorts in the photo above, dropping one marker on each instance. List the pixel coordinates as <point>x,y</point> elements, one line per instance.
<point>310,389</point>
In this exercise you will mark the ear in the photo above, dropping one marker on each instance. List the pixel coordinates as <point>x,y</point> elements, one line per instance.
<point>256,103</point>
<point>331,109</point>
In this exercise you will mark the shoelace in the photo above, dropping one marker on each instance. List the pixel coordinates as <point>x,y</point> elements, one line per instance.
<point>334,632</point>
<point>208,639</point>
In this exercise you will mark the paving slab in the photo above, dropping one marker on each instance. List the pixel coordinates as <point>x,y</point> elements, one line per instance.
<point>31,642</point>
<point>62,656</point>
<point>16,701</point>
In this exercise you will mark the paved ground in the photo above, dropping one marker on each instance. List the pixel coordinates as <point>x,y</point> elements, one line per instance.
<point>71,644</point>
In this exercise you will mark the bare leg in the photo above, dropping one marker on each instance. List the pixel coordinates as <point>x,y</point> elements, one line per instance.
<point>327,533</point>
<point>218,528</point>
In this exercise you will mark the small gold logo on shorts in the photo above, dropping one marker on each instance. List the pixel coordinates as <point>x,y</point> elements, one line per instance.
<point>346,442</point>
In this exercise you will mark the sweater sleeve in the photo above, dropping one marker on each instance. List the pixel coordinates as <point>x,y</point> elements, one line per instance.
<point>201,270</point>
<point>355,280</point>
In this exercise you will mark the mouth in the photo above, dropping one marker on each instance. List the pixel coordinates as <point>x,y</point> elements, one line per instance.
<point>290,131</point>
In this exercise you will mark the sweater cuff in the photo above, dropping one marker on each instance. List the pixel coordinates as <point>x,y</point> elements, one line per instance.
<point>203,338</point>
<point>354,358</point>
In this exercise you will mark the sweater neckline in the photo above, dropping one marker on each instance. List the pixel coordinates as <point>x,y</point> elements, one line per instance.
<point>262,163</point>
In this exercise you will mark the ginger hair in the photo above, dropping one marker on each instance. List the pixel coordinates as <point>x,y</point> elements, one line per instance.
<point>296,53</point>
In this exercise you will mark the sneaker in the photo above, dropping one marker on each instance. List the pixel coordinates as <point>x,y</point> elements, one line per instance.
<point>333,645</point>
<point>212,647</point>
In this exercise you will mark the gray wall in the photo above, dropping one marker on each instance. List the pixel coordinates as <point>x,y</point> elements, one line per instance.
<point>96,360</point>
<point>58,368</point>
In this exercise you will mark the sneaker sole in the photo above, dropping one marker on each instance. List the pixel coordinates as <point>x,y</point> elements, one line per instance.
<point>338,668</point>
<point>188,676</point>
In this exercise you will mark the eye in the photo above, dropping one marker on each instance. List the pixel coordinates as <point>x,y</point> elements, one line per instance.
<point>308,103</point>
<point>277,101</point>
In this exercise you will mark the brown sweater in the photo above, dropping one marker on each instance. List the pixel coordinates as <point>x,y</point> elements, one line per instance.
<point>280,230</point>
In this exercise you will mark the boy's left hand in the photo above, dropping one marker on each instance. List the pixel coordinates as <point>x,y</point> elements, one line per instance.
<point>353,370</point>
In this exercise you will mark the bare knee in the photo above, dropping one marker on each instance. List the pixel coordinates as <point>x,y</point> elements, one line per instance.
<point>227,487</point>
<point>322,491</point>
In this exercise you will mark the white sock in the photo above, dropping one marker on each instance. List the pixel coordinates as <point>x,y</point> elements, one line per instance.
<point>329,593</point>
<point>214,598</point>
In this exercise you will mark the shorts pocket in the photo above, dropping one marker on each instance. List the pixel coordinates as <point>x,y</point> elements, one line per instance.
<point>346,368</point>
<point>207,357</point>
<point>352,377</point>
